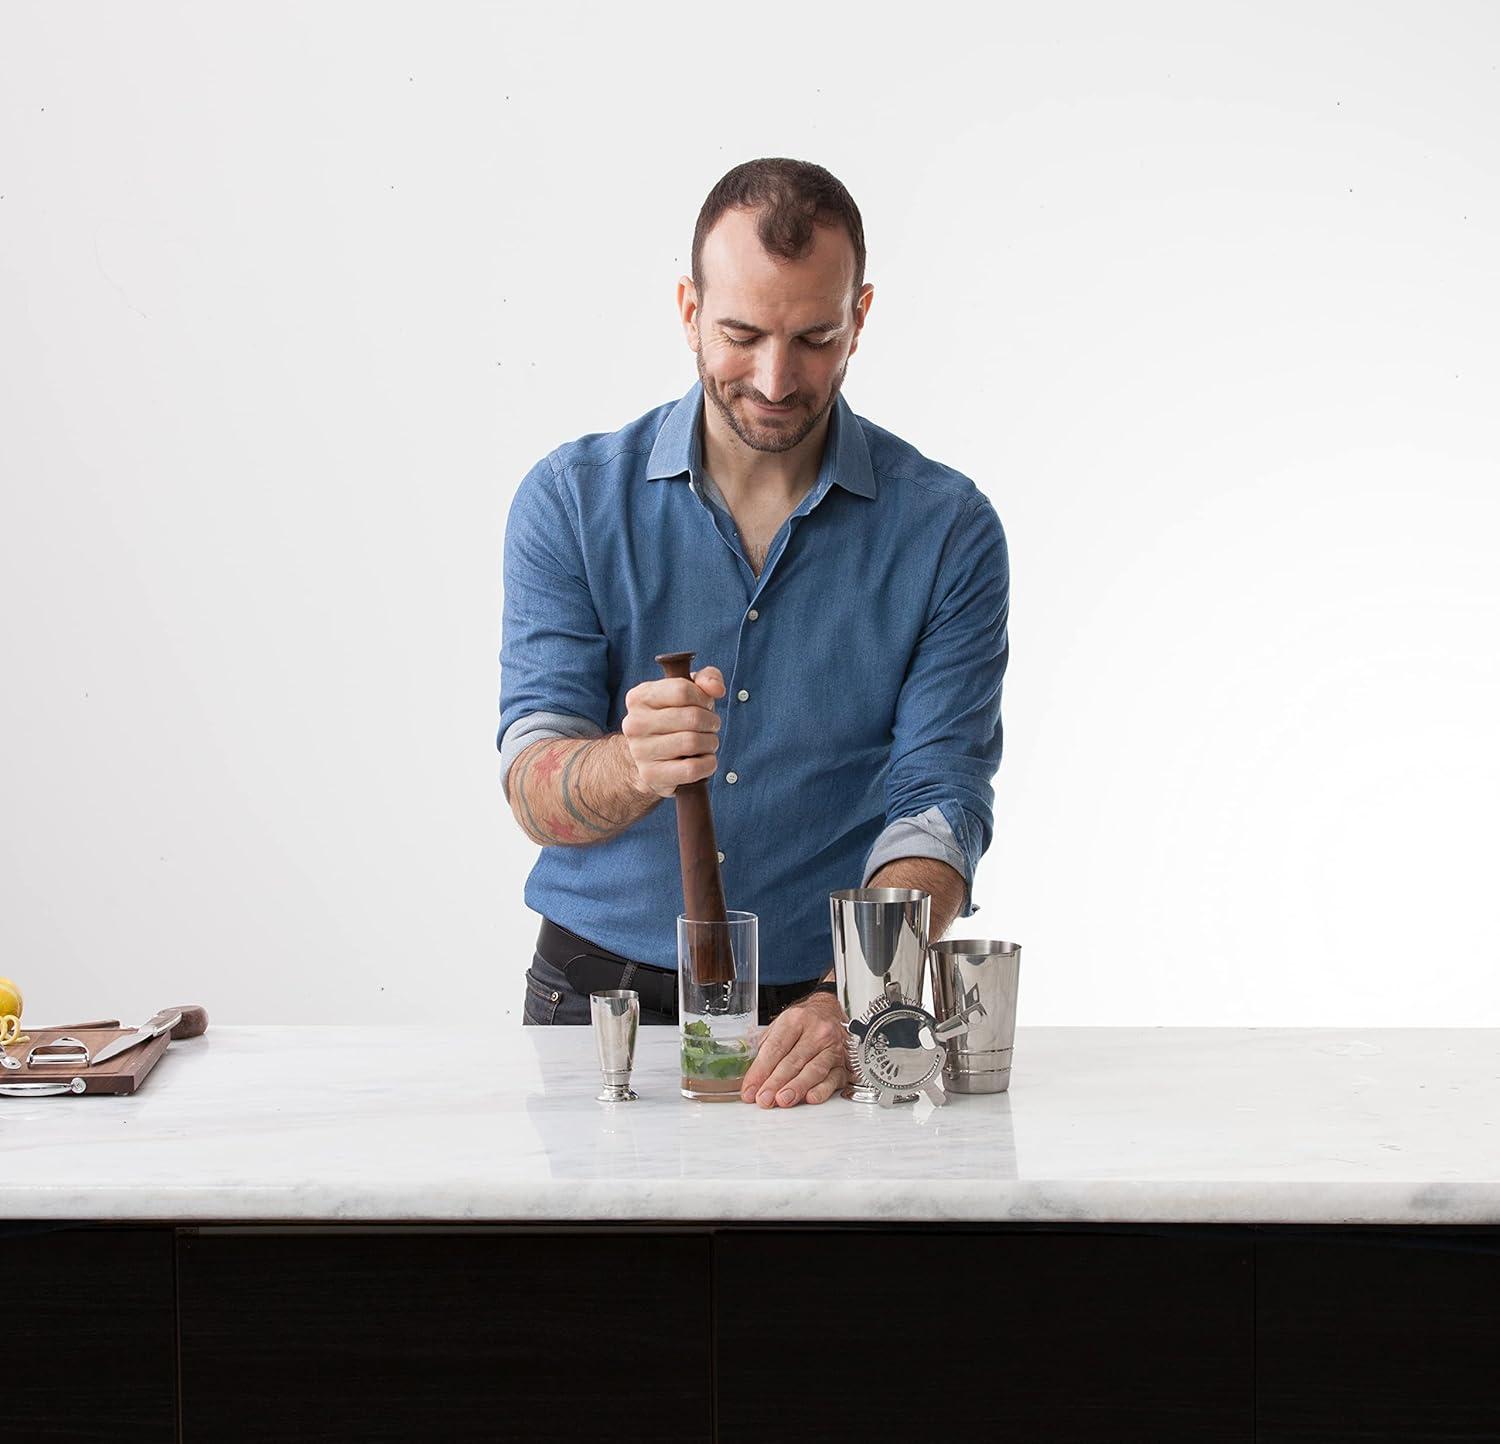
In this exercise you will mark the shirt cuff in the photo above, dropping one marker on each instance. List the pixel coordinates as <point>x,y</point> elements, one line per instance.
<point>533,728</point>
<point>925,835</point>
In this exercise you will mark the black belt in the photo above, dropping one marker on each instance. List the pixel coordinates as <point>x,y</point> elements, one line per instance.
<point>590,969</point>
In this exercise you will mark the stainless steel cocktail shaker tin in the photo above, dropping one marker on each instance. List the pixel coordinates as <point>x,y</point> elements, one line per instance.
<point>879,939</point>
<point>966,971</point>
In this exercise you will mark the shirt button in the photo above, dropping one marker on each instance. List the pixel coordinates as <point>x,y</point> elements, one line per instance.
<point>731,777</point>
<point>743,696</point>
<point>754,615</point>
<point>721,857</point>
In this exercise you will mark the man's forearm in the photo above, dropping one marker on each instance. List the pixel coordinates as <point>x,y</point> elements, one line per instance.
<point>944,883</point>
<point>576,790</point>
<point>927,874</point>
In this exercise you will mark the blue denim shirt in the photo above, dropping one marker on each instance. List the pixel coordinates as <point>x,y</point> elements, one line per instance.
<point>863,665</point>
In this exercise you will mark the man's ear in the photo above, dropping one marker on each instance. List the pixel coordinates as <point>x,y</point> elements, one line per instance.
<point>862,312</point>
<point>866,295</point>
<point>687,309</point>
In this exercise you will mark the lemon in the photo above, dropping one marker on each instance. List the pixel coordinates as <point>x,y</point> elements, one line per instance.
<point>10,998</point>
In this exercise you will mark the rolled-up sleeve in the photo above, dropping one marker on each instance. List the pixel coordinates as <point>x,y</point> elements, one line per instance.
<point>554,656</point>
<point>946,740</point>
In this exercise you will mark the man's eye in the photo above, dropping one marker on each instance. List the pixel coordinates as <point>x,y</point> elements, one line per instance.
<point>816,345</point>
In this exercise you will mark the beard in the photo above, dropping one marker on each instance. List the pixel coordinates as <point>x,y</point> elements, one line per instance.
<point>752,428</point>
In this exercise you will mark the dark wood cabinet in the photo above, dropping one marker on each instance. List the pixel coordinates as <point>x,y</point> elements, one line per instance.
<point>687,1332</point>
<point>965,1334</point>
<point>1378,1335</point>
<point>473,1335</point>
<point>90,1334</point>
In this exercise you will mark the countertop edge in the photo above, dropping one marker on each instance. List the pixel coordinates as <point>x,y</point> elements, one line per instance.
<point>1348,1204</point>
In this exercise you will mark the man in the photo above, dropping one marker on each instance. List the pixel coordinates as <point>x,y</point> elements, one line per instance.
<point>847,602</point>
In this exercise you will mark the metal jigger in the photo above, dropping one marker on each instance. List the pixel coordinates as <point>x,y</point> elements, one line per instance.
<point>616,1015</point>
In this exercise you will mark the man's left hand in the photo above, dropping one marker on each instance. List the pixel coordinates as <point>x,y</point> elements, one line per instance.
<point>801,1057</point>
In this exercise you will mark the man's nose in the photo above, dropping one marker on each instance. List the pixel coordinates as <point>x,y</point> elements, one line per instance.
<point>773,376</point>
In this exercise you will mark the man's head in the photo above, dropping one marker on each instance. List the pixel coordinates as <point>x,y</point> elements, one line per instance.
<point>777,298</point>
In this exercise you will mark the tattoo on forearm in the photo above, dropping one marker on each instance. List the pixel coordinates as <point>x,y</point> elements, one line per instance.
<point>547,788</point>
<point>545,813</point>
<point>573,800</point>
<point>519,768</point>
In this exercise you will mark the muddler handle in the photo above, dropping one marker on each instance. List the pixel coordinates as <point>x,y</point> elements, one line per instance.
<point>702,887</point>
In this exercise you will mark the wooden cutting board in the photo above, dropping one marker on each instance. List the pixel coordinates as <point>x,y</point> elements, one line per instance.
<point>123,1073</point>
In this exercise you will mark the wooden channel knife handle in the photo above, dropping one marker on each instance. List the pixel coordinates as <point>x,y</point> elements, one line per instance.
<point>698,850</point>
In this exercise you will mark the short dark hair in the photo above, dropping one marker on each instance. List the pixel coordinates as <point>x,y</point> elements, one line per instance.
<point>791,196</point>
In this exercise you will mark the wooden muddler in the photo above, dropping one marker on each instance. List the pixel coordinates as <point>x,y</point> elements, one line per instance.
<point>702,887</point>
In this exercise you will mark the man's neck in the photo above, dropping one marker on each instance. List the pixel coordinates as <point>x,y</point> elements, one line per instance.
<point>761,478</point>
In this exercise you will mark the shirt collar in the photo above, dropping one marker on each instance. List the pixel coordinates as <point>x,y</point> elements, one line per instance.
<point>679,447</point>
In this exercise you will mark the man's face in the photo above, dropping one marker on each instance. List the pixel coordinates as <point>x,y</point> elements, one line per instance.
<point>773,338</point>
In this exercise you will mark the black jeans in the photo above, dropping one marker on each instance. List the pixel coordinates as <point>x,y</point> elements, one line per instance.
<point>552,998</point>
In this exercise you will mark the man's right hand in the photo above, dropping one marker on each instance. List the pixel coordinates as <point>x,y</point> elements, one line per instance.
<point>672,730</point>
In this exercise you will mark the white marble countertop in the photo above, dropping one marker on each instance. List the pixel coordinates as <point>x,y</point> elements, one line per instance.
<point>1206,1125</point>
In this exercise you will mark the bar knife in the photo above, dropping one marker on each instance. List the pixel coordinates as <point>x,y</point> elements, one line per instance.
<point>185,1022</point>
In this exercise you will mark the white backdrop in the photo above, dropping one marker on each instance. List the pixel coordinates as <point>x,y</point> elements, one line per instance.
<point>291,296</point>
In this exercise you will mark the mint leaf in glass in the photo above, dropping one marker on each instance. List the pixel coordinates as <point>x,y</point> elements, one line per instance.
<point>704,1056</point>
